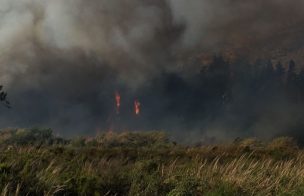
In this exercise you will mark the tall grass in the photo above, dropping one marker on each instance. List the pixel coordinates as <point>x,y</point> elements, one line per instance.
<point>149,164</point>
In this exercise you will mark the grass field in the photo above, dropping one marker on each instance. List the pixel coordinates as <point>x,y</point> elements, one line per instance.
<point>34,162</point>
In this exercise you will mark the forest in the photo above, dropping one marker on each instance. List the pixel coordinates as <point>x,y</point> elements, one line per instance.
<point>262,99</point>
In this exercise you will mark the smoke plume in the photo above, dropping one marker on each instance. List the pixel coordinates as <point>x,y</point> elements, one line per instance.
<point>63,61</point>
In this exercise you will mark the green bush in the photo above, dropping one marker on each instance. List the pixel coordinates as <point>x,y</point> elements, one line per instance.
<point>187,186</point>
<point>224,189</point>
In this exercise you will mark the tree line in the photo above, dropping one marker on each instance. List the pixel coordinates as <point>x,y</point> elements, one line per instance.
<point>236,95</point>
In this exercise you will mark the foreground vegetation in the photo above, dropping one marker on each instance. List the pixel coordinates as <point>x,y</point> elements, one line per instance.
<point>34,162</point>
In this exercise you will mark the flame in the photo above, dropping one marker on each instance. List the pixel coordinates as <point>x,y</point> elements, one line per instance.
<point>137,107</point>
<point>117,98</point>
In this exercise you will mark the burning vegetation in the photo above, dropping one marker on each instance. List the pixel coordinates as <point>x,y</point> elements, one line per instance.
<point>205,71</point>
<point>137,106</point>
<point>222,101</point>
<point>117,99</point>
<point>59,60</point>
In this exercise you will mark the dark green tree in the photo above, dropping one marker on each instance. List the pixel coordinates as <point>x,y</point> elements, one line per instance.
<point>300,85</point>
<point>292,82</point>
<point>3,97</point>
<point>280,71</point>
<point>291,74</point>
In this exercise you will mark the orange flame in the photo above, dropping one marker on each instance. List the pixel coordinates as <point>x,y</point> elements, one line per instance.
<point>117,98</point>
<point>137,107</point>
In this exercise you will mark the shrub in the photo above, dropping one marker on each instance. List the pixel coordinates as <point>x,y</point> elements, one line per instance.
<point>136,139</point>
<point>35,136</point>
<point>282,147</point>
<point>78,142</point>
<point>187,186</point>
<point>224,189</point>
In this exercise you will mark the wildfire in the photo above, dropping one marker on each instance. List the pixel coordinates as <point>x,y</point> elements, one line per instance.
<point>117,98</point>
<point>137,107</point>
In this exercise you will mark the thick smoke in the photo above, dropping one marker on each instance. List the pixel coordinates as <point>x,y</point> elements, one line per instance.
<point>132,37</point>
<point>62,61</point>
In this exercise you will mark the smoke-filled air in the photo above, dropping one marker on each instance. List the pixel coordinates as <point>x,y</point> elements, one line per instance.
<point>197,69</point>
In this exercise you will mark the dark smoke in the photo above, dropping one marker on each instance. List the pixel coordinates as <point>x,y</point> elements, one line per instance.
<point>62,61</point>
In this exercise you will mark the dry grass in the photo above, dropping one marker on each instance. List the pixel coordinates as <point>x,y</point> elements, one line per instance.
<point>120,164</point>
